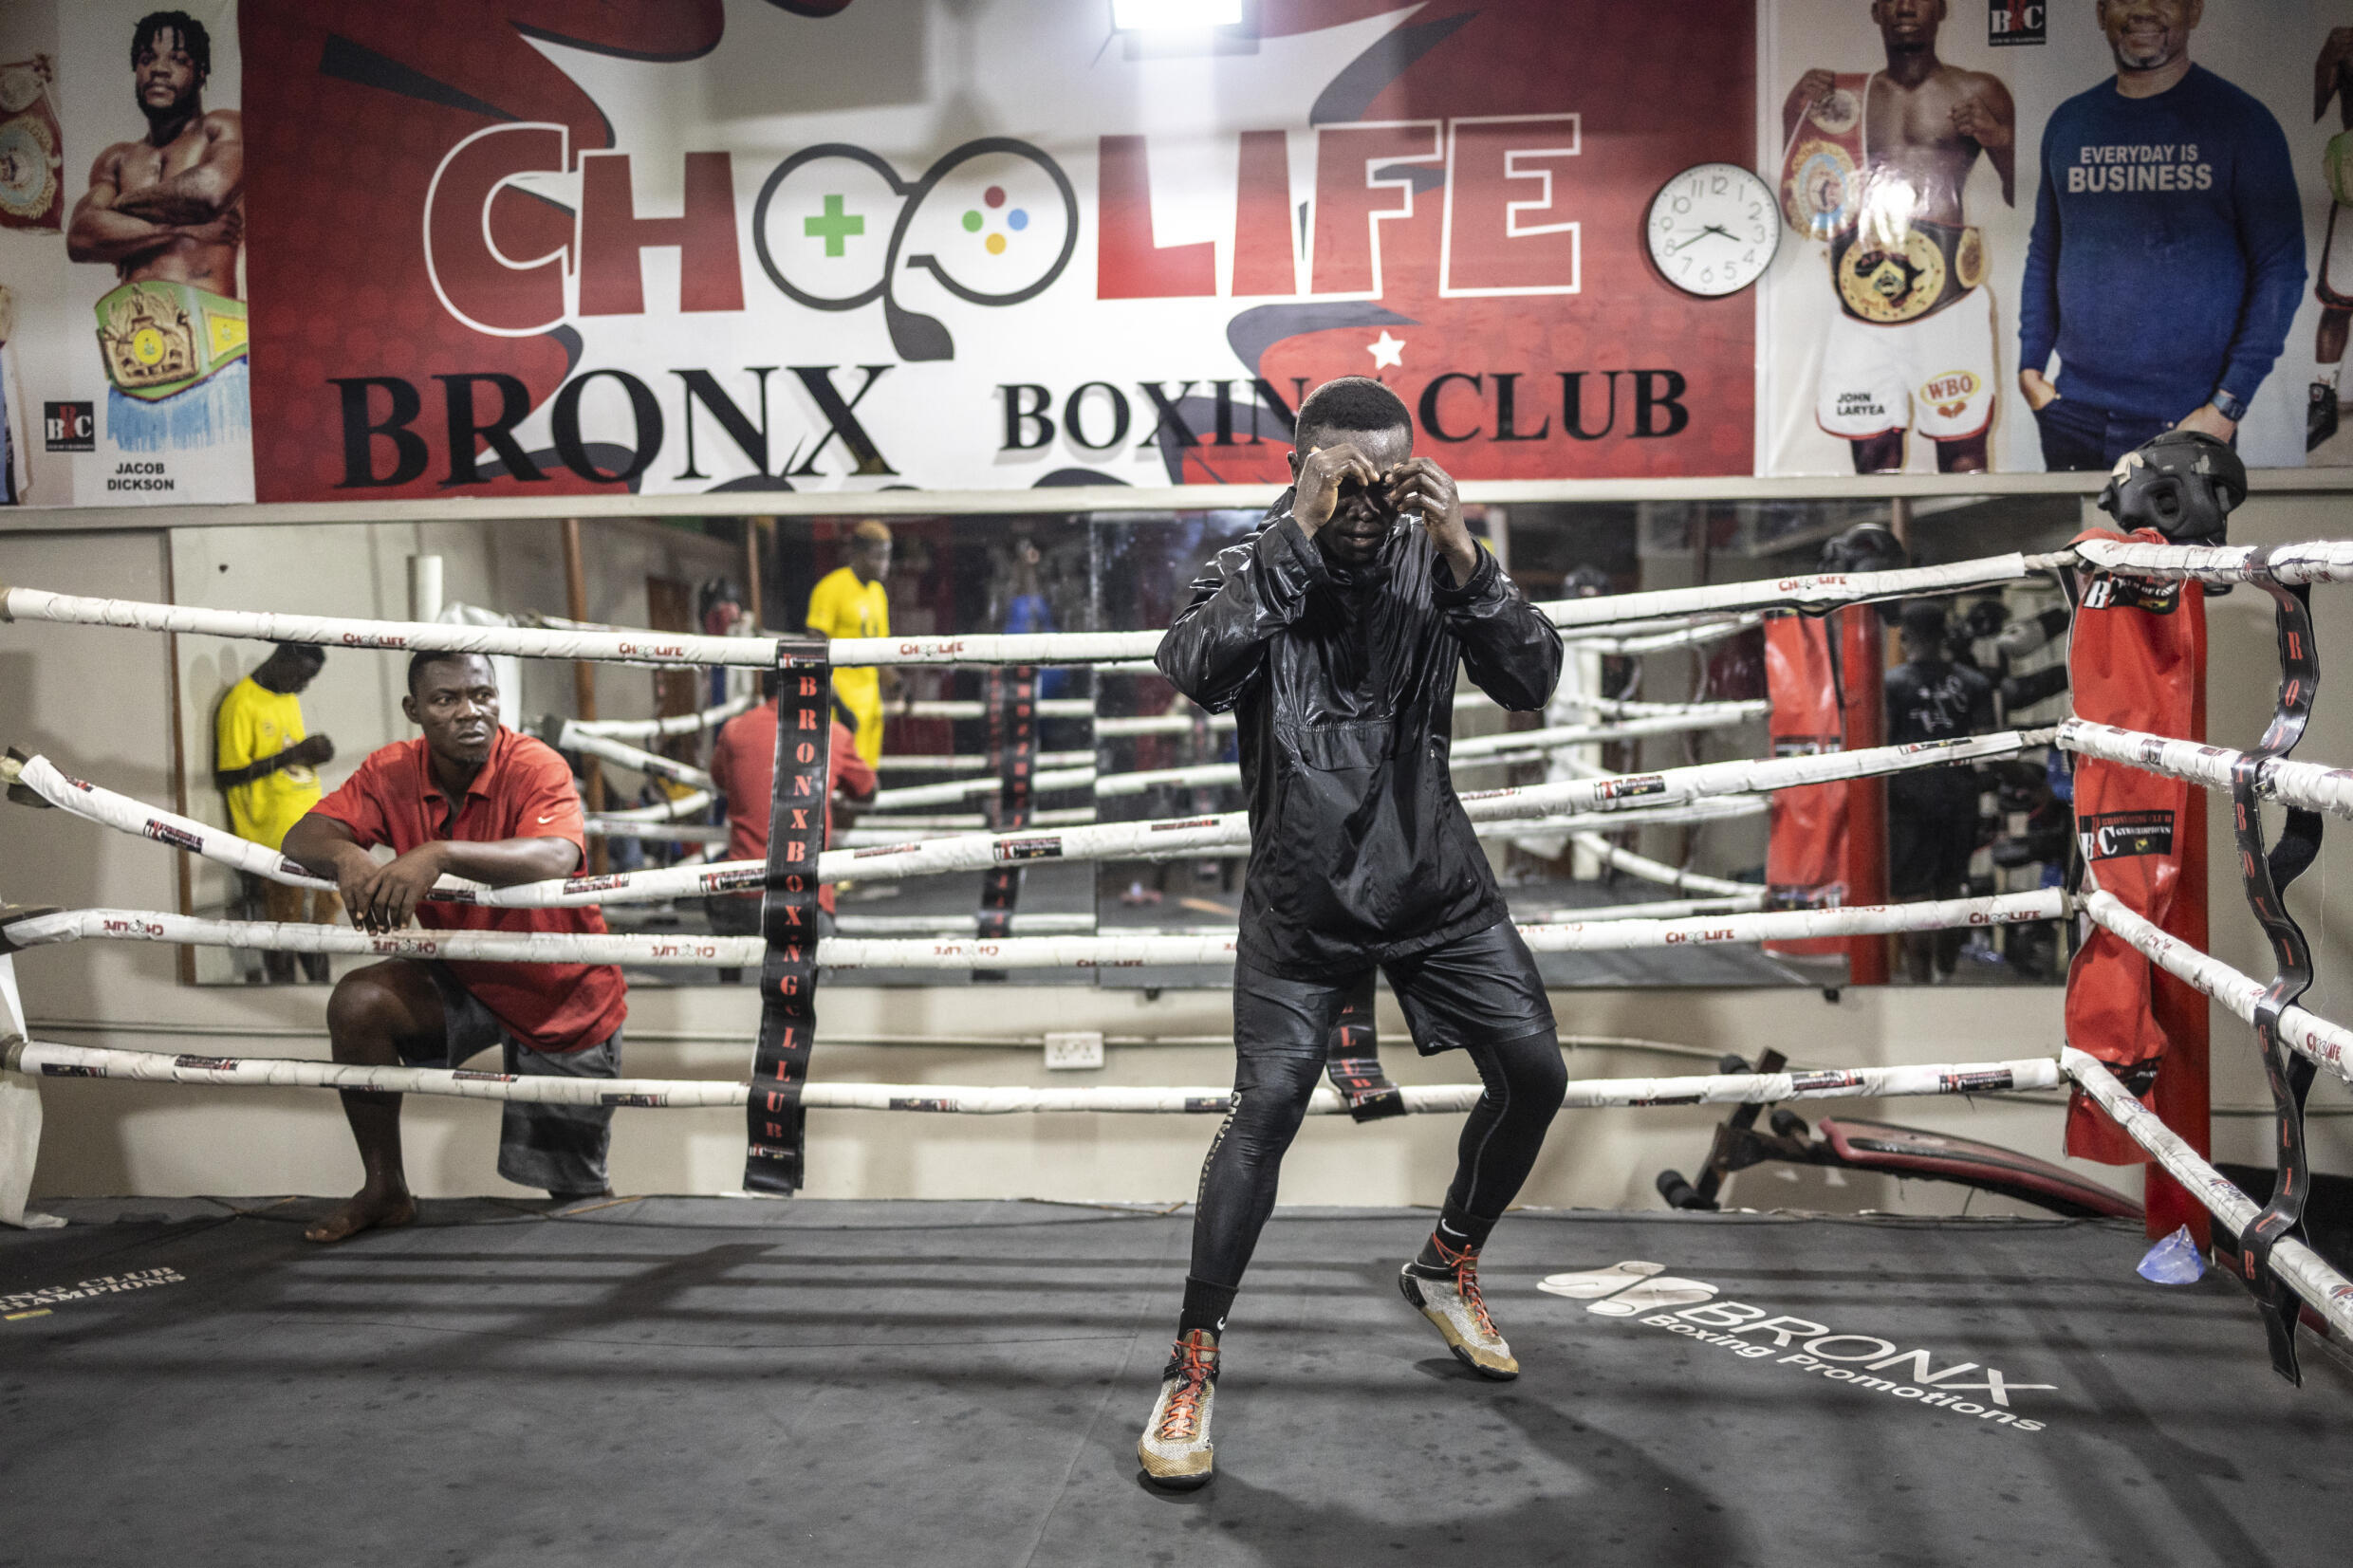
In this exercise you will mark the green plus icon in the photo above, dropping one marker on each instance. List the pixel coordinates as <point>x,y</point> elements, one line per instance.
<point>834,227</point>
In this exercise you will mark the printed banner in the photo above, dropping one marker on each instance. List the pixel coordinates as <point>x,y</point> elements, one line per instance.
<point>775,1120</point>
<point>562,247</point>
<point>124,362</point>
<point>2021,236</point>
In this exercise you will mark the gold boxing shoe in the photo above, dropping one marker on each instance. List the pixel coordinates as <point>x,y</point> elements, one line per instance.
<point>1174,1449</point>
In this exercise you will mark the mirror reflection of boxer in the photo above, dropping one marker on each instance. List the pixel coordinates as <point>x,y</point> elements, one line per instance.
<point>168,211</point>
<point>1931,812</point>
<point>2167,258</point>
<point>2332,77</point>
<point>1875,165</point>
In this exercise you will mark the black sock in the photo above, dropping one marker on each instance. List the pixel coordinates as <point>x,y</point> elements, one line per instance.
<point>1206,1306</point>
<point>1459,1231</point>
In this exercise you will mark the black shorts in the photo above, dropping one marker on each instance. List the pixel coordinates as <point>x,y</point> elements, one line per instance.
<point>560,1148</point>
<point>1483,987</point>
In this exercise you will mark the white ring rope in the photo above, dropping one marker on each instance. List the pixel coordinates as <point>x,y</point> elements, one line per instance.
<point>974,762</point>
<point>2317,560</point>
<point>1121,726</point>
<point>2328,1292</point>
<point>1692,636</point>
<point>1657,871</point>
<point>1046,647</point>
<point>1100,951</point>
<point>1181,724</point>
<point>1026,923</point>
<point>897,830</point>
<point>980,852</point>
<point>900,830</point>
<point>653,649</point>
<point>1669,909</point>
<point>2307,1033</point>
<point>34,1056</point>
<point>974,789</point>
<point>1815,592</point>
<point>2315,787</point>
<point>568,736</point>
<point>1048,707</point>
<point>669,729</point>
<point>692,804</point>
<point>664,833</point>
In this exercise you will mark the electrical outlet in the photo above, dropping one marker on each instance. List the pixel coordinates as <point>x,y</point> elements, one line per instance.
<point>1075,1051</point>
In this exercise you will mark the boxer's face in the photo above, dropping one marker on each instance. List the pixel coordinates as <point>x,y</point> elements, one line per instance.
<point>1908,21</point>
<point>164,75</point>
<point>456,704</point>
<point>2148,35</point>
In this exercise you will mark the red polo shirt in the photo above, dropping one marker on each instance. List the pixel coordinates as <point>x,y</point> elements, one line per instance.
<point>525,791</point>
<point>743,764</point>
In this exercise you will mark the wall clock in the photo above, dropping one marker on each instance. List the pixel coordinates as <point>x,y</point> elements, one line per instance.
<point>1713,230</point>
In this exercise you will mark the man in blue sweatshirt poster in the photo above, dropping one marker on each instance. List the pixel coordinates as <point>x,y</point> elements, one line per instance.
<point>2167,257</point>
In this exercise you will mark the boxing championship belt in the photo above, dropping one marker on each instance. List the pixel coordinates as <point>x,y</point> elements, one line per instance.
<point>1887,279</point>
<point>1806,847</point>
<point>32,195</point>
<point>2131,662</point>
<point>2337,163</point>
<point>1818,166</point>
<point>156,338</point>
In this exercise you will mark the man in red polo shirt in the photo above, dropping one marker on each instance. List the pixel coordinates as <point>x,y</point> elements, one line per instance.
<point>743,764</point>
<point>472,799</point>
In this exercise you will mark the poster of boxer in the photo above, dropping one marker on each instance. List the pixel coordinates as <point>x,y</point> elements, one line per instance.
<point>2125,192</point>
<point>129,340</point>
<point>554,246</point>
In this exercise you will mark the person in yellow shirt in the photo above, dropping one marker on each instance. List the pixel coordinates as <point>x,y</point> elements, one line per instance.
<point>851,602</point>
<point>263,762</point>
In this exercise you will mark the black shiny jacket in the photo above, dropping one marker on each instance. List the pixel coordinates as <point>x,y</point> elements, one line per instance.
<point>1344,681</point>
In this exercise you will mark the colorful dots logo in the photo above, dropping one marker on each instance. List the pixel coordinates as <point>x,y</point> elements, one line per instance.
<point>837,228</point>
<point>975,220</point>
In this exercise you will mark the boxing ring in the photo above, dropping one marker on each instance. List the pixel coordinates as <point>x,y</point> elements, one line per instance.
<point>2013,1356</point>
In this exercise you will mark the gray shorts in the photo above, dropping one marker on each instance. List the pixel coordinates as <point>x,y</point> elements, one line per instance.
<point>560,1148</point>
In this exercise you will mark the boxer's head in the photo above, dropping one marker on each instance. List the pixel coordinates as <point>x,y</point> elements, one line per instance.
<point>1923,631</point>
<point>290,667</point>
<point>171,59</point>
<point>1368,416</point>
<point>2148,35</point>
<point>453,698</point>
<point>870,551</point>
<point>1908,22</point>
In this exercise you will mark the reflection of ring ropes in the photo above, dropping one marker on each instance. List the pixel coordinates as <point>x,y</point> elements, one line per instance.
<point>912,200</point>
<point>2284,1271</point>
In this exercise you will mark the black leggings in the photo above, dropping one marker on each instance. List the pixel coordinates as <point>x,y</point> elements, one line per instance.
<point>1524,1078</point>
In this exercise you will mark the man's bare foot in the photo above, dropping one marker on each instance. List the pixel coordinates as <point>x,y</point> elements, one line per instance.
<point>365,1210</point>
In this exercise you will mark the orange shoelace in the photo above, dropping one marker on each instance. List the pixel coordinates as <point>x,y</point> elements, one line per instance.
<point>1182,1421</point>
<point>1465,1265</point>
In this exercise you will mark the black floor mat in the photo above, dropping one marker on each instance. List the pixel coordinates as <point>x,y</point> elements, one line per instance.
<point>704,1381</point>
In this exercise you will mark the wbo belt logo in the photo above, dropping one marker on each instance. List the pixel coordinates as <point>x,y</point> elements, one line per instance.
<point>1691,1309</point>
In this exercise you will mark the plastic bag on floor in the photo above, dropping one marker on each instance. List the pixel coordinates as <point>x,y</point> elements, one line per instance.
<point>2175,1261</point>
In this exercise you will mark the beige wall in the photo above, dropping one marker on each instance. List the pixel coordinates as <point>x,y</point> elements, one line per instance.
<point>96,701</point>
